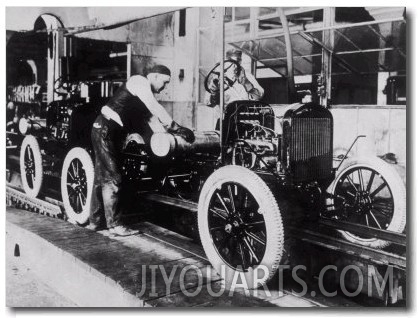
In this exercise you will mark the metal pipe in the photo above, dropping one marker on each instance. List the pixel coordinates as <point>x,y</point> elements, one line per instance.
<point>164,145</point>
<point>350,148</point>
<point>129,57</point>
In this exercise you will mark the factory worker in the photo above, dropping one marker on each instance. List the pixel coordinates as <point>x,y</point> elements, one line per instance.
<point>133,109</point>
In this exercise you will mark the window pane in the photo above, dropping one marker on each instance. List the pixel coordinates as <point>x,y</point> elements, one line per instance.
<point>269,24</point>
<point>228,14</point>
<point>266,10</point>
<point>241,13</point>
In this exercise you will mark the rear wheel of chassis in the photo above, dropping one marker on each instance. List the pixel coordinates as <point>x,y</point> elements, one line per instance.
<point>240,226</point>
<point>77,185</point>
<point>31,170</point>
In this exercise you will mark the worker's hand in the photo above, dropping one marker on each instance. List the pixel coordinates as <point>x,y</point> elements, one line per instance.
<point>242,79</point>
<point>214,99</point>
<point>242,76</point>
<point>186,134</point>
<point>183,132</point>
<point>214,85</point>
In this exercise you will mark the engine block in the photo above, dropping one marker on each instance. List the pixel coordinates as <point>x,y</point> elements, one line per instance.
<point>294,140</point>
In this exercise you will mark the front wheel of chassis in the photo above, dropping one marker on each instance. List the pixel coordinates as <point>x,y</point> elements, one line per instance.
<point>77,185</point>
<point>370,192</point>
<point>240,226</point>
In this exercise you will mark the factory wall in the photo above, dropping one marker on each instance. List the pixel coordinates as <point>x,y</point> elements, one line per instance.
<point>158,41</point>
<point>385,128</point>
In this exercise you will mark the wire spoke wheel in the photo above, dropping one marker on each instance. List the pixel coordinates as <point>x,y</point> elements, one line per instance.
<point>29,166</point>
<point>240,225</point>
<point>31,170</point>
<point>368,202</point>
<point>77,184</point>
<point>371,194</point>
<point>232,209</point>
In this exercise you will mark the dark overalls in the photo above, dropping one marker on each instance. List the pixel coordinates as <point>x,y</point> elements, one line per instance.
<point>107,139</point>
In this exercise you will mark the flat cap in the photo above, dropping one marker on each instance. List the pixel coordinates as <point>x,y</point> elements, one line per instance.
<point>160,69</point>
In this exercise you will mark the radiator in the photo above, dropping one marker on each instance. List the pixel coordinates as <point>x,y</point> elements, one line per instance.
<point>310,148</point>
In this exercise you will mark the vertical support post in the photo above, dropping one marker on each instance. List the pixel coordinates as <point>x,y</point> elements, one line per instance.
<point>59,52</point>
<point>50,67</point>
<point>384,28</point>
<point>381,85</point>
<point>196,76</point>
<point>253,22</point>
<point>253,67</point>
<point>129,57</point>
<point>53,62</point>
<point>221,32</point>
<point>55,40</point>
<point>290,64</point>
<point>328,40</point>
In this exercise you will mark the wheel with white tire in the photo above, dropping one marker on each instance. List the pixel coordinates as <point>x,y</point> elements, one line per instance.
<point>370,192</point>
<point>31,170</point>
<point>240,226</point>
<point>77,185</point>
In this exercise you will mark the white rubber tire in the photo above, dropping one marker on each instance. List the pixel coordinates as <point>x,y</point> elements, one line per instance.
<point>88,167</point>
<point>272,217</point>
<point>30,142</point>
<point>397,189</point>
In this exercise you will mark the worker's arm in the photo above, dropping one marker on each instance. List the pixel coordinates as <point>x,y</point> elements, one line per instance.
<point>110,114</point>
<point>212,99</point>
<point>140,87</point>
<point>251,85</point>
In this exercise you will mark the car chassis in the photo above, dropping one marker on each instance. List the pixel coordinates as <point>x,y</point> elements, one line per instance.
<point>239,175</point>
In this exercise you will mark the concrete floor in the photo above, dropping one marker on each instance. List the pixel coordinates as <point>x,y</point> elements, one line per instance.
<point>25,289</point>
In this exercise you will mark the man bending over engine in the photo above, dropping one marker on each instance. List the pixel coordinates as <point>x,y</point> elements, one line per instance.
<point>133,109</point>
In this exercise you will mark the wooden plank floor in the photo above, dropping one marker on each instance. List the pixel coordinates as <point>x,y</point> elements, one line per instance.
<point>123,261</point>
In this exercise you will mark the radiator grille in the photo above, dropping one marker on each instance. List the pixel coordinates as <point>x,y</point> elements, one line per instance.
<point>311,148</point>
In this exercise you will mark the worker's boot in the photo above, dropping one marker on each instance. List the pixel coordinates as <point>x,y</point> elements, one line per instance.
<point>121,230</point>
<point>95,227</point>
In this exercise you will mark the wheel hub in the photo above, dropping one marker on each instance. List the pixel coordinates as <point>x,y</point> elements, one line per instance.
<point>29,166</point>
<point>78,184</point>
<point>228,228</point>
<point>234,226</point>
<point>363,203</point>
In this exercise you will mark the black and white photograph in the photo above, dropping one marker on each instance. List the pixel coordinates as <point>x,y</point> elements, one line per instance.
<point>207,156</point>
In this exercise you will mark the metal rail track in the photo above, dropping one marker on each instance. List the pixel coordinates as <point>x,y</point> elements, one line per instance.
<point>20,199</point>
<point>307,234</point>
<point>318,235</point>
<point>315,235</point>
